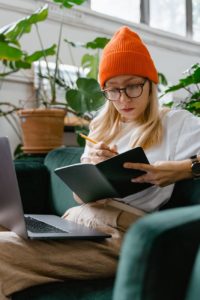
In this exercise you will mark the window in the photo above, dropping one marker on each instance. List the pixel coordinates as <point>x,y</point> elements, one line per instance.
<point>181,17</point>
<point>196,19</point>
<point>168,15</point>
<point>128,10</point>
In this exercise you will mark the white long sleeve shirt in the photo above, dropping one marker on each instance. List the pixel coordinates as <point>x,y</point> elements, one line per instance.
<point>181,140</point>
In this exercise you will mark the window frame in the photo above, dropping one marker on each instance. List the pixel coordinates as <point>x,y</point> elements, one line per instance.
<point>145,16</point>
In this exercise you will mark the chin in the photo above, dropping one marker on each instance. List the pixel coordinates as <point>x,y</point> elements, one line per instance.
<point>129,117</point>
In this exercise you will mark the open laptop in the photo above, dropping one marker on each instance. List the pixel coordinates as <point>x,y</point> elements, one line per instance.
<point>32,226</point>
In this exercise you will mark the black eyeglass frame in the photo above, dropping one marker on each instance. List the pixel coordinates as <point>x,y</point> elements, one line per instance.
<point>125,91</point>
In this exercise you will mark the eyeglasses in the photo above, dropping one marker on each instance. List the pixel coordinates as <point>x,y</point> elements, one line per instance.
<point>131,91</point>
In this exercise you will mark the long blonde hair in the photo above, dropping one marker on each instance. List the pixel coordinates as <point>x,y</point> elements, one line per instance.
<point>148,129</point>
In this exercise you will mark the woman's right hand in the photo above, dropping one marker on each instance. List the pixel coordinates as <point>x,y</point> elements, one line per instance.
<point>100,152</point>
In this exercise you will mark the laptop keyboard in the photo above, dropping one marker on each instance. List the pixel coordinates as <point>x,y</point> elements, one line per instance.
<point>37,226</point>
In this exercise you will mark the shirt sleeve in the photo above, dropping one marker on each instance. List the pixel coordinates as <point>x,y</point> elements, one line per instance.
<point>86,152</point>
<point>188,142</point>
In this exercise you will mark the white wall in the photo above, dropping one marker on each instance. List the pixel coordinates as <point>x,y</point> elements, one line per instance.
<point>172,54</point>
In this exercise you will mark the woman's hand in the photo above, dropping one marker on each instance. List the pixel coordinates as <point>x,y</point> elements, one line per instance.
<point>162,173</point>
<point>100,152</point>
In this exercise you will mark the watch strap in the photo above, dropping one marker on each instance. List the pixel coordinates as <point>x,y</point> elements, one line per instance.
<point>194,161</point>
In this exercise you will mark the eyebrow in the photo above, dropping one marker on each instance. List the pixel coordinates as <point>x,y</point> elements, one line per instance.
<point>126,81</point>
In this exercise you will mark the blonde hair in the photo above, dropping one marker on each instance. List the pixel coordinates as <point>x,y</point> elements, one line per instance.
<point>148,129</point>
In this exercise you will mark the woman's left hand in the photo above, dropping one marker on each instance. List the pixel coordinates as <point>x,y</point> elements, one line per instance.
<point>162,173</point>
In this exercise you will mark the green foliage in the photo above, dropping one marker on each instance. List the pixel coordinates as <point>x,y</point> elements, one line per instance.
<point>90,62</point>
<point>14,31</point>
<point>82,100</point>
<point>162,79</point>
<point>191,83</point>
<point>9,52</point>
<point>12,56</point>
<point>98,43</point>
<point>86,98</point>
<point>69,3</point>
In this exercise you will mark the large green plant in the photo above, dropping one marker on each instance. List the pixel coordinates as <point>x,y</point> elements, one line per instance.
<point>85,98</point>
<point>191,83</point>
<point>13,58</point>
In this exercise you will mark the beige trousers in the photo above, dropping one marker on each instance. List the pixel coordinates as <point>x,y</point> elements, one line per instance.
<point>26,263</point>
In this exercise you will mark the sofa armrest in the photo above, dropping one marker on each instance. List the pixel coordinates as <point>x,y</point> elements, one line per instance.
<point>193,291</point>
<point>60,195</point>
<point>33,180</point>
<point>158,255</point>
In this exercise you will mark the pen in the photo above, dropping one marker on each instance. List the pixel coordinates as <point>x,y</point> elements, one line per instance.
<point>92,141</point>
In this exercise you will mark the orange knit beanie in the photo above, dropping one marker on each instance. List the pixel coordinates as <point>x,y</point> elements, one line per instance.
<point>126,54</point>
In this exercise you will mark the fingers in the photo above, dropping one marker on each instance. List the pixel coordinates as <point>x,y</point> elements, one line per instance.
<point>101,152</point>
<point>138,166</point>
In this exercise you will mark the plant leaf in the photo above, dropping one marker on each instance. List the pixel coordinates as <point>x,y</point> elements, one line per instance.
<point>15,30</point>
<point>39,54</point>
<point>196,96</point>
<point>162,79</point>
<point>91,63</point>
<point>98,43</point>
<point>74,44</point>
<point>87,97</point>
<point>9,53</point>
<point>69,3</point>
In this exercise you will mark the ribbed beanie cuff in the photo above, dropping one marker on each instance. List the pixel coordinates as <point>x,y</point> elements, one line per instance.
<point>126,54</point>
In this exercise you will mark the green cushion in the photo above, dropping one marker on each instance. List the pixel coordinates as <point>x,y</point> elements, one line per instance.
<point>186,192</point>
<point>193,290</point>
<point>60,196</point>
<point>33,180</point>
<point>158,254</point>
<point>72,290</point>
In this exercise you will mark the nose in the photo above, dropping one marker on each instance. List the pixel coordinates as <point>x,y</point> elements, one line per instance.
<point>123,96</point>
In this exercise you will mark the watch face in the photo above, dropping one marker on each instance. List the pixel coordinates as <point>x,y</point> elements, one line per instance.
<point>196,168</point>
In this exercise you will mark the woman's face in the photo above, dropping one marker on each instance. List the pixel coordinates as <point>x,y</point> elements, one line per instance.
<point>130,109</point>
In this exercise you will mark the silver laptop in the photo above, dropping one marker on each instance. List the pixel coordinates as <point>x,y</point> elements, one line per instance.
<point>32,226</point>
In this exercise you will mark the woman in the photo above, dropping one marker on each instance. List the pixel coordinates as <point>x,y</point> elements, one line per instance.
<point>130,118</point>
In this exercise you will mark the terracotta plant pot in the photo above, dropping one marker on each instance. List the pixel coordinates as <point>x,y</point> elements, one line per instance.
<point>42,129</point>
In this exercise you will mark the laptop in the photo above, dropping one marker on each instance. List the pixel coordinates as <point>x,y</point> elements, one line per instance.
<point>32,226</point>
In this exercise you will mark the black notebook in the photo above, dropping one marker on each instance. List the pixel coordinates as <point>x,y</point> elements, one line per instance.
<point>107,179</point>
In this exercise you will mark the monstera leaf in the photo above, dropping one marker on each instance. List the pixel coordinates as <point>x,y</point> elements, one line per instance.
<point>14,31</point>
<point>91,63</point>
<point>86,98</point>
<point>11,54</point>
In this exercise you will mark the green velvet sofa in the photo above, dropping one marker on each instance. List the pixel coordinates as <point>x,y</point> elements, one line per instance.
<point>158,252</point>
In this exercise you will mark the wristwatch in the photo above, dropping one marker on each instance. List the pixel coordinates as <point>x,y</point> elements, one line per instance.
<point>195,166</point>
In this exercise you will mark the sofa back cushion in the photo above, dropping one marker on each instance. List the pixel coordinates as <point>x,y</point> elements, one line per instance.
<point>60,196</point>
<point>33,180</point>
<point>186,192</point>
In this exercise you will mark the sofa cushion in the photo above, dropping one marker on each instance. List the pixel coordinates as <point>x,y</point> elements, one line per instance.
<point>193,290</point>
<point>186,192</point>
<point>33,180</point>
<point>158,254</point>
<point>60,196</point>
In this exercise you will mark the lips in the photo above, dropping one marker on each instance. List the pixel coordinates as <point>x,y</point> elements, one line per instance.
<point>127,109</point>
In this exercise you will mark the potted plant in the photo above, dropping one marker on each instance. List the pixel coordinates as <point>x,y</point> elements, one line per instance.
<point>42,128</point>
<point>14,58</point>
<point>82,96</point>
<point>191,84</point>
